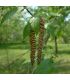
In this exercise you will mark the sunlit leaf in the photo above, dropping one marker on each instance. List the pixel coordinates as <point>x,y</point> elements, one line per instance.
<point>26,30</point>
<point>36,25</point>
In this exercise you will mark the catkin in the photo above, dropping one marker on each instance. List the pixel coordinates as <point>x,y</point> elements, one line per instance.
<point>40,40</point>
<point>33,46</point>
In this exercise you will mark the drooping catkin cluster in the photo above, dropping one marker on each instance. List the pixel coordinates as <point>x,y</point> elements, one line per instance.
<point>40,40</point>
<point>33,46</point>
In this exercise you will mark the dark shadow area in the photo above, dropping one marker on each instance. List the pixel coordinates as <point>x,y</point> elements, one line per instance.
<point>14,67</point>
<point>62,68</point>
<point>46,67</point>
<point>63,51</point>
<point>3,69</point>
<point>23,67</point>
<point>14,46</point>
<point>49,67</point>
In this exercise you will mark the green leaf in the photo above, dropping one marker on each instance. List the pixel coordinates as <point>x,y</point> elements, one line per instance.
<point>36,25</point>
<point>9,14</point>
<point>51,30</point>
<point>26,30</point>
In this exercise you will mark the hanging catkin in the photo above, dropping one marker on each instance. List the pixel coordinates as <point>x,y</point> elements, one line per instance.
<point>33,46</point>
<point>40,40</point>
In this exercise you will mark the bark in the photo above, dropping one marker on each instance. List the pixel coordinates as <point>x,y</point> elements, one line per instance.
<point>56,46</point>
<point>46,38</point>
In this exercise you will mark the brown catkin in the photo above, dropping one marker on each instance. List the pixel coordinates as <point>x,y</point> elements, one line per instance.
<point>40,40</point>
<point>33,46</point>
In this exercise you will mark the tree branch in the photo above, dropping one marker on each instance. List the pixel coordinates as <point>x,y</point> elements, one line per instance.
<point>28,11</point>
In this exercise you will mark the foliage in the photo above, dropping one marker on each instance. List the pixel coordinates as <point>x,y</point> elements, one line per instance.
<point>15,26</point>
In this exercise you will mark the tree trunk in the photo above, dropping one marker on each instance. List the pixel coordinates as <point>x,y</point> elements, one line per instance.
<point>65,39</point>
<point>56,46</point>
<point>46,38</point>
